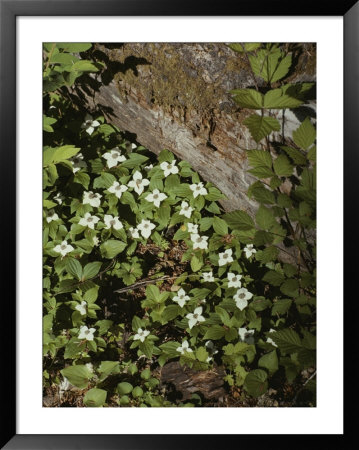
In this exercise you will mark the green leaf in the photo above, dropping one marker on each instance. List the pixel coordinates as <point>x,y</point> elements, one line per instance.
<point>290,287</point>
<point>267,255</point>
<point>196,264</point>
<point>82,178</point>
<point>166,155</point>
<point>74,268</point>
<point>248,98</point>
<point>220,226</point>
<point>65,152</point>
<point>202,354</point>
<point>265,217</point>
<point>239,220</point>
<point>47,122</point>
<point>245,47</point>
<point>281,306</point>
<point>261,126</point>
<point>259,158</point>
<point>95,397</point>
<point>112,248</point>
<point>77,375</point>
<point>272,65</point>
<point>269,361</point>
<point>261,172</point>
<point>83,66</point>
<point>261,194</point>
<point>256,383</point>
<point>215,332</point>
<point>134,160</point>
<point>63,58</point>
<point>74,47</point>
<point>91,270</point>
<point>305,135</point>
<point>274,278</point>
<point>295,155</point>
<point>124,388</point>
<point>287,340</point>
<point>104,181</point>
<point>282,166</point>
<point>153,292</point>
<point>281,99</point>
<point>205,223</point>
<point>171,312</point>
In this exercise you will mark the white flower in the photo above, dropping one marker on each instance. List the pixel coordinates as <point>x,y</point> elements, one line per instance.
<point>134,233</point>
<point>156,197</point>
<point>199,241</point>
<point>63,248</point>
<point>249,250</point>
<point>146,227</point>
<point>225,257</point>
<point>195,317</point>
<point>82,308</point>
<point>89,366</point>
<point>96,241</point>
<point>90,124</point>
<point>192,228</point>
<point>89,221</point>
<point>198,189</point>
<point>186,210</point>
<point>113,222</point>
<point>92,199</point>
<point>113,157</point>
<point>141,335</point>
<point>138,183</point>
<point>65,385</point>
<point>117,189</point>
<point>181,298</point>
<point>51,215</point>
<point>149,167</point>
<point>234,280</point>
<point>169,168</point>
<point>77,162</point>
<point>58,198</point>
<point>269,340</point>
<point>184,348</point>
<point>241,298</point>
<point>211,349</point>
<point>246,335</point>
<point>86,333</point>
<point>208,276</point>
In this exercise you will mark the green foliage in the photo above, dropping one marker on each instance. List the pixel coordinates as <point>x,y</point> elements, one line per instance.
<point>117,221</point>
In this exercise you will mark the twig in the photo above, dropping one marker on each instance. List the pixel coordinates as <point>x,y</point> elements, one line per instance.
<point>144,283</point>
<point>300,390</point>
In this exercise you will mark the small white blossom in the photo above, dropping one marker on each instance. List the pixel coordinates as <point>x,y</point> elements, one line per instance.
<point>113,157</point>
<point>58,198</point>
<point>113,222</point>
<point>63,248</point>
<point>89,366</point>
<point>186,210</point>
<point>246,335</point>
<point>141,335</point>
<point>270,340</point>
<point>86,333</point>
<point>89,125</point>
<point>117,189</point>
<point>234,280</point>
<point>192,228</point>
<point>65,385</point>
<point>51,215</point>
<point>169,168</point>
<point>225,257</point>
<point>77,162</point>
<point>82,308</point>
<point>96,241</point>
<point>249,250</point>
<point>138,183</point>
<point>181,298</point>
<point>184,348</point>
<point>92,199</point>
<point>149,167</point>
<point>241,298</point>
<point>211,349</point>
<point>208,276</point>
<point>89,221</point>
<point>198,189</point>
<point>146,227</point>
<point>195,317</point>
<point>134,233</point>
<point>199,241</point>
<point>156,197</point>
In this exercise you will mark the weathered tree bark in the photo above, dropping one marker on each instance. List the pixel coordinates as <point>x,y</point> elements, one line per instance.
<point>175,96</point>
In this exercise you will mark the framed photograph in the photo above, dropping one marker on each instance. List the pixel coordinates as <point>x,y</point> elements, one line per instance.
<point>166,233</point>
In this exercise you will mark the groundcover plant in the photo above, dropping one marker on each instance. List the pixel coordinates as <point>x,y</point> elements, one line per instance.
<point>149,285</point>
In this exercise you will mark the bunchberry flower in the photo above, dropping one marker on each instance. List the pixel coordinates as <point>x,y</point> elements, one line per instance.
<point>77,162</point>
<point>134,233</point>
<point>270,340</point>
<point>186,210</point>
<point>195,317</point>
<point>156,197</point>
<point>51,215</point>
<point>225,257</point>
<point>138,183</point>
<point>89,221</point>
<point>249,250</point>
<point>63,248</point>
<point>181,298</point>
<point>92,199</point>
<point>146,228</point>
<point>117,189</point>
<point>234,280</point>
<point>184,348</point>
<point>141,335</point>
<point>82,308</point>
<point>208,276</point>
<point>113,157</point>
<point>199,241</point>
<point>246,335</point>
<point>198,189</point>
<point>192,228</point>
<point>86,333</point>
<point>241,298</point>
<point>111,221</point>
<point>169,168</point>
<point>89,125</point>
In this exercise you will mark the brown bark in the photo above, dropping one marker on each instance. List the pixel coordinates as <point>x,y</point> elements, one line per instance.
<point>175,96</point>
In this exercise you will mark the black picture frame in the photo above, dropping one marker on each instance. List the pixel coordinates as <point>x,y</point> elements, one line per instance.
<point>9,11</point>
